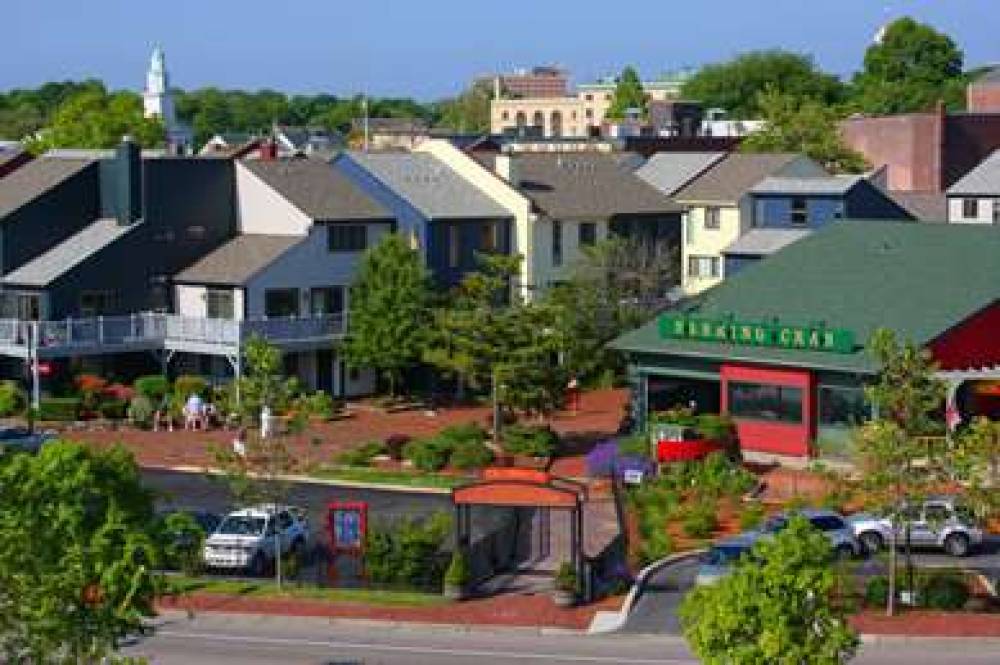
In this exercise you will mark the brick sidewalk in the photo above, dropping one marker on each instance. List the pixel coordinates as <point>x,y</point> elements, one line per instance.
<point>503,610</point>
<point>920,623</point>
<point>598,417</point>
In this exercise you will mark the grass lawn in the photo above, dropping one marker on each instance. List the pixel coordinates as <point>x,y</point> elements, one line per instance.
<point>357,474</point>
<point>267,589</point>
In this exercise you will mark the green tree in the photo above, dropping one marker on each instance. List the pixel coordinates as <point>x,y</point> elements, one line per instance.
<point>898,463</point>
<point>736,85</point>
<point>77,554</point>
<point>909,68</point>
<point>95,119</point>
<point>777,606</point>
<point>807,126</point>
<point>469,112</point>
<point>628,94</point>
<point>263,382</point>
<point>976,462</point>
<point>389,310</point>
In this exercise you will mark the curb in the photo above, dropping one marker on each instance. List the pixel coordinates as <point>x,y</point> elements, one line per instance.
<point>605,623</point>
<point>456,628</point>
<point>310,480</point>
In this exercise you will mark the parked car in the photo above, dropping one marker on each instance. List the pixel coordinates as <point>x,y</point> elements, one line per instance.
<point>245,539</point>
<point>833,525</point>
<point>679,443</point>
<point>720,558</point>
<point>940,522</point>
<point>22,439</point>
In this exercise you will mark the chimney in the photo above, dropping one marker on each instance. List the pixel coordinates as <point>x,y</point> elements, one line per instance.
<point>128,182</point>
<point>268,150</point>
<point>506,168</point>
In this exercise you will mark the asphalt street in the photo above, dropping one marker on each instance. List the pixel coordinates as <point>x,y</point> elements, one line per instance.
<point>219,639</point>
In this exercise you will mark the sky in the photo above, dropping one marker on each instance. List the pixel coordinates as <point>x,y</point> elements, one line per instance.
<point>429,49</point>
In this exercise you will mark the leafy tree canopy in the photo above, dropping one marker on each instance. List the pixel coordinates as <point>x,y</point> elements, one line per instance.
<point>795,124</point>
<point>777,606</point>
<point>909,68</point>
<point>389,309</point>
<point>628,94</point>
<point>77,551</point>
<point>94,118</point>
<point>736,85</point>
<point>469,112</point>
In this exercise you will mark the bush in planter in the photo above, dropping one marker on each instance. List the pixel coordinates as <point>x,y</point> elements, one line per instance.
<point>362,455</point>
<point>699,520</point>
<point>153,387</point>
<point>469,454</point>
<point>186,385</point>
<point>61,409</point>
<point>943,591</point>
<point>427,454</point>
<point>140,411</point>
<point>467,432</point>
<point>531,441</point>
<point>13,400</point>
<point>394,444</point>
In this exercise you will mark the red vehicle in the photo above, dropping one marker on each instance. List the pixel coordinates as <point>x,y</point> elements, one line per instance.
<point>676,443</point>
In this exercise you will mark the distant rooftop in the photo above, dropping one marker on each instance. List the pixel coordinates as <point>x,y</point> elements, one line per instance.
<point>982,180</point>
<point>669,171</point>
<point>830,185</point>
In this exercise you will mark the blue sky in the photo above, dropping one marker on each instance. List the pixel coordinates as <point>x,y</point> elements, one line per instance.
<point>431,48</point>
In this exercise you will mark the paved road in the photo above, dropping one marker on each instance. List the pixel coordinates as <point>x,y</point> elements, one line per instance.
<point>253,640</point>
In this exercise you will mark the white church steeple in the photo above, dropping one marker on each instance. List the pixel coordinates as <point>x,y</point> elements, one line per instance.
<point>158,102</point>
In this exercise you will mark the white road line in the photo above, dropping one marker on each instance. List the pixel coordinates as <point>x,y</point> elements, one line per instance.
<point>418,650</point>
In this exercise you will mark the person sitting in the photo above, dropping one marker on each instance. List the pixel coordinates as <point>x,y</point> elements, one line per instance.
<point>194,412</point>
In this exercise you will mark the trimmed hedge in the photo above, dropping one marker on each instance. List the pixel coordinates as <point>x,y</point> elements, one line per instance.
<point>470,455</point>
<point>62,409</point>
<point>428,454</point>
<point>531,441</point>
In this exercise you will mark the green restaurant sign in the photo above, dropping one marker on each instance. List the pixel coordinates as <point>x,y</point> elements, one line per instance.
<point>775,334</point>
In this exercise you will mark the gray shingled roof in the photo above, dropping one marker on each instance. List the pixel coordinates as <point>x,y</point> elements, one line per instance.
<point>764,242</point>
<point>238,260</point>
<point>430,185</point>
<point>829,185</point>
<point>34,179</point>
<point>924,206</point>
<point>669,171</point>
<point>585,185</point>
<point>982,180</point>
<point>732,177</point>
<point>317,189</point>
<point>57,261</point>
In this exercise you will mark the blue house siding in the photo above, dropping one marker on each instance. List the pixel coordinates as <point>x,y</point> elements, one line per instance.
<point>775,211</point>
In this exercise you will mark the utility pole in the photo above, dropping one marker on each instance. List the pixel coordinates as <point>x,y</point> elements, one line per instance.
<point>364,108</point>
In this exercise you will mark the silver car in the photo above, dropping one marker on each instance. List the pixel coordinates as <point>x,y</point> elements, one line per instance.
<point>941,522</point>
<point>833,525</point>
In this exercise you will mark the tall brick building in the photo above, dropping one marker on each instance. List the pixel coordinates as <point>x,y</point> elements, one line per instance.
<point>928,152</point>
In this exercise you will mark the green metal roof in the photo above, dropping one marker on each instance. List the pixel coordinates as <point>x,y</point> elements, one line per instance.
<point>917,279</point>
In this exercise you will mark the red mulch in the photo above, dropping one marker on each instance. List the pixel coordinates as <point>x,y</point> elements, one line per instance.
<point>504,610</point>
<point>598,418</point>
<point>920,623</point>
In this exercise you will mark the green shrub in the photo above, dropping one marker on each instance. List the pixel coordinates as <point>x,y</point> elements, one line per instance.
<point>13,400</point>
<point>677,416</point>
<point>319,404</point>
<point>407,552</point>
<point>459,571</point>
<point>470,455</point>
<point>531,441</point>
<point>877,591</point>
<point>752,515</point>
<point>566,579</point>
<point>699,520</point>
<point>153,387</point>
<point>462,433</point>
<point>114,409</point>
<point>186,385</point>
<point>61,409</point>
<point>362,455</point>
<point>427,454</point>
<point>943,591</point>
<point>716,427</point>
<point>182,539</point>
<point>140,411</point>
<point>657,545</point>
<point>637,444</point>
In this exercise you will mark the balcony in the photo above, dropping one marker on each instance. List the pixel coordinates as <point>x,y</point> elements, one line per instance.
<point>171,332</point>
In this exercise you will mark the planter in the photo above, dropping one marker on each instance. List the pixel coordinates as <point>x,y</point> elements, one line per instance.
<point>563,598</point>
<point>455,592</point>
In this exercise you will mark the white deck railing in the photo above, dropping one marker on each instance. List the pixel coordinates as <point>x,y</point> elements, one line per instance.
<point>105,334</point>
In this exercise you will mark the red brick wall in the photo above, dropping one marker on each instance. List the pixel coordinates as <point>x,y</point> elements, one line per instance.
<point>972,344</point>
<point>983,98</point>
<point>908,144</point>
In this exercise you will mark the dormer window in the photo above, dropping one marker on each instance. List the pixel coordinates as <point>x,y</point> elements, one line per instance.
<point>799,211</point>
<point>346,237</point>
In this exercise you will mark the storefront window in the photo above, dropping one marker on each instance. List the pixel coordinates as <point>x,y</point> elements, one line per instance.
<point>760,401</point>
<point>842,406</point>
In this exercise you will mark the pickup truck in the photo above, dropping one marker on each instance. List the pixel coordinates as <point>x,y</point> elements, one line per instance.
<point>247,539</point>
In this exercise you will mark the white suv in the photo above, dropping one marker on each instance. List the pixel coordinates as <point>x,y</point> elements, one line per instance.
<point>940,522</point>
<point>246,538</point>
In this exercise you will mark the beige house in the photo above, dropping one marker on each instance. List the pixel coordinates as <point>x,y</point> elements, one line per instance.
<point>575,116</point>
<point>718,210</point>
